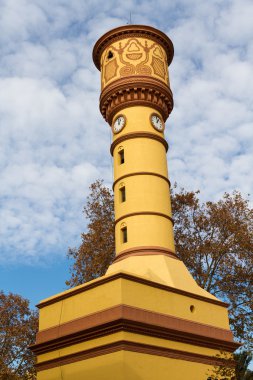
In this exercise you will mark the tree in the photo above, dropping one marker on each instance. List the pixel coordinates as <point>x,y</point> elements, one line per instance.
<point>226,372</point>
<point>97,249</point>
<point>18,326</point>
<point>214,239</point>
<point>243,360</point>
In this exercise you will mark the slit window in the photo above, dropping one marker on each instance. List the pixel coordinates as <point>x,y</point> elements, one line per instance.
<point>121,157</point>
<point>110,55</point>
<point>122,191</point>
<point>124,234</point>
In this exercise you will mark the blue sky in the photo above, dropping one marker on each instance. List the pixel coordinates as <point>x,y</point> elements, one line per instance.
<point>54,142</point>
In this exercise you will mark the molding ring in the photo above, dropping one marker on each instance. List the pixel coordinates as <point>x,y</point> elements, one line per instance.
<point>136,347</point>
<point>141,173</point>
<point>144,213</point>
<point>133,135</point>
<point>145,251</point>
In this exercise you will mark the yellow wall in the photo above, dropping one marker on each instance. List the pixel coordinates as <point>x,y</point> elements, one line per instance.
<point>100,368</point>
<point>144,193</point>
<point>162,301</point>
<point>138,157</point>
<point>122,291</point>
<point>145,230</point>
<point>137,119</point>
<point>81,304</point>
<point>125,365</point>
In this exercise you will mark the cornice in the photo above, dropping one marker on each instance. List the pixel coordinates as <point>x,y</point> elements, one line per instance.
<point>129,31</point>
<point>133,91</point>
<point>125,276</point>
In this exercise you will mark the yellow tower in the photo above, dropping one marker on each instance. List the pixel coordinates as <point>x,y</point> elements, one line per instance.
<point>146,318</point>
<point>136,100</point>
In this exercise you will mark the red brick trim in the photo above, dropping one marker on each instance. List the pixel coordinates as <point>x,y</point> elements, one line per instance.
<point>135,320</point>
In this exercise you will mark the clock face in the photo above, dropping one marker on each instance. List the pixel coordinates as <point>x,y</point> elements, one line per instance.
<point>119,124</point>
<point>157,122</point>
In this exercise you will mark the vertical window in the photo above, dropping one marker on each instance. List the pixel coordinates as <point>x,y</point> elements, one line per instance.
<point>110,55</point>
<point>122,191</point>
<point>124,234</point>
<point>121,157</point>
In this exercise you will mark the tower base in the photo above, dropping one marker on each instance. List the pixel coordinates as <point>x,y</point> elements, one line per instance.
<point>125,326</point>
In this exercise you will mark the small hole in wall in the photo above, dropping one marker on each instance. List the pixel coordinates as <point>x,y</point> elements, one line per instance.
<point>192,308</point>
<point>110,55</point>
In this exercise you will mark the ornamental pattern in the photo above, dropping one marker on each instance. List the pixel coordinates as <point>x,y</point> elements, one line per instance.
<point>134,56</point>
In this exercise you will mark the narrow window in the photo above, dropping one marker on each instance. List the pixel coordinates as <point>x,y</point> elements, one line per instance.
<point>122,194</point>
<point>121,157</point>
<point>124,234</point>
<point>110,55</point>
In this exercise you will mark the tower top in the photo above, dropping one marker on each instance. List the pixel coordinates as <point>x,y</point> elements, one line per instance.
<point>127,31</point>
<point>133,60</point>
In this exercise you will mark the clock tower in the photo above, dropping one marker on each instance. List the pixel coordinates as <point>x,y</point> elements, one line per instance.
<point>146,318</point>
<point>136,100</point>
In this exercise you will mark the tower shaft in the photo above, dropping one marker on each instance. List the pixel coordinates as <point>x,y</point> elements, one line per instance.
<point>145,210</point>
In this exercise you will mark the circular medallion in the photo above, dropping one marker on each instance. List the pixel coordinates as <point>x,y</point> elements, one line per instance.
<point>157,122</point>
<point>119,123</point>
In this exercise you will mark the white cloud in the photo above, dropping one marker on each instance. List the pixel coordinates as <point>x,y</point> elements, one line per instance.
<point>54,142</point>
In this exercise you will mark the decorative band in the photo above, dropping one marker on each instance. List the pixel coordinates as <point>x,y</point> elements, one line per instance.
<point>140,348</point>
<point>135,91</point>
<point>135,82</point>
<point>144,213</point>
<point>134,135</point>
<point>141,173</point>
<point>145,251</point>
<point>135,320</point>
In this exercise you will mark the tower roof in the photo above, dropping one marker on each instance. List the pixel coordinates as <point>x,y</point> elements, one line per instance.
<point>132,31</point>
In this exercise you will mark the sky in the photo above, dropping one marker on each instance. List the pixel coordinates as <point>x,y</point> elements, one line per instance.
<point>54,143</point>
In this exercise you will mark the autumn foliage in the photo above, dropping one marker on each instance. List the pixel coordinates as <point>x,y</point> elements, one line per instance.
<point>18,326</point>
<point>215,241</point>
<point>96,252</point>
